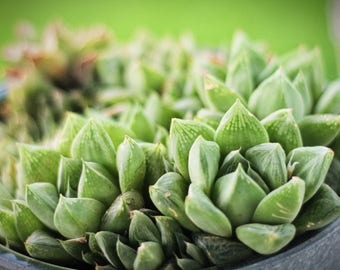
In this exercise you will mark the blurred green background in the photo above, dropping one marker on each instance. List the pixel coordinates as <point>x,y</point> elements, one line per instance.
<point>283,25</point>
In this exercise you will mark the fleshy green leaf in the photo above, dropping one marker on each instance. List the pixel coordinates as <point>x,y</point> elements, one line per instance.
<point>142,229</point>
<point>311,165</point>
<point>275,93</point>
<point>94,183</point>
<point>25,221</point>
<point>73,123</point>
<point>183,134</point>
<point>38,164</point>
<point>269,160</point>
<point>282,204</point>
<point>219,96</point>
<point>42,199</point>
<point>319,129</point>
<point>265,239</point>
<point>283,129</point>
<point>239,129</point>
<point>237,195</point>
<point>150,256</point>
<point>131,165</point>
<point>117,217</point>
<point>320,210</point>
<point>92,143</point>
<point>204,214</point>
<point>204,157</point>
<point>43,246</point>
<point>74,217</point>
<point>168,195</point>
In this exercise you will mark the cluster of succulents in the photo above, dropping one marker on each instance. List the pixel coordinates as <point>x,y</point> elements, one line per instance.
<point>188,158</point>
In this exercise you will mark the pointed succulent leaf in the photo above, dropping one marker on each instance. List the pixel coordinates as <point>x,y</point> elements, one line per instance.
<point>126,254</point>
<point>301,85</point>
<point>183,134</point>
<point>131,165</point>
<point>204,214</point>
<point>196,253</point>
<point>329,102</point>
<point>43,246</point>
<point>265,239</point>
<point>219,96</point>
<point>141,125</point>
<point>97,254</point>
<point>7,226</point>
<point>75,247</point>
<point>239,128</point>
<point>222,251</point>
<point>116,131</point>
<point>75,216</point>
<point>25,221</point>
<point>231,162</point>
<point>117,218</point>
<point>142,229</point>
<point>73,123</point>
<point>282,205</point>
<point>68,176</point>
<point>107,242</point>
<point>181,240</point>
<point>204,158</point>
<point>92,243</point>
<point>319,129</point>
<point>320,210</point>
<point>38,164</point>
<point>167,227</point>
<point>155,153</point>
<point>209,117</point>
<point>240,76</point>
<point>283,129</point>
<point>310,164</point>
<point>42,199</point>
<point>95,184</point>
<point>92,143</point>
<point>269,160</point>
<point>150,256</point>
<point>90,258</point>
<point>237,195</point>
<point>168,195</point>
<point>275,93</point>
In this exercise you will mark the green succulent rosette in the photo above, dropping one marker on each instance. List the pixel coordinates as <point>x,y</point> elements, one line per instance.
<point>190,158</point>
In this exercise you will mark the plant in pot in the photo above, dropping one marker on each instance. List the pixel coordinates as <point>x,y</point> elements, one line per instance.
<point>204,162</point>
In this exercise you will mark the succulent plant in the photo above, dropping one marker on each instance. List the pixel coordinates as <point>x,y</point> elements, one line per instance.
<point>186,160</point>
<point>210,194</point>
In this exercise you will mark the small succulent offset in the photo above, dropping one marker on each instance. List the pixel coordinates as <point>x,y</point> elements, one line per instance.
<point>202,163</point>
<point>209,195</point>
